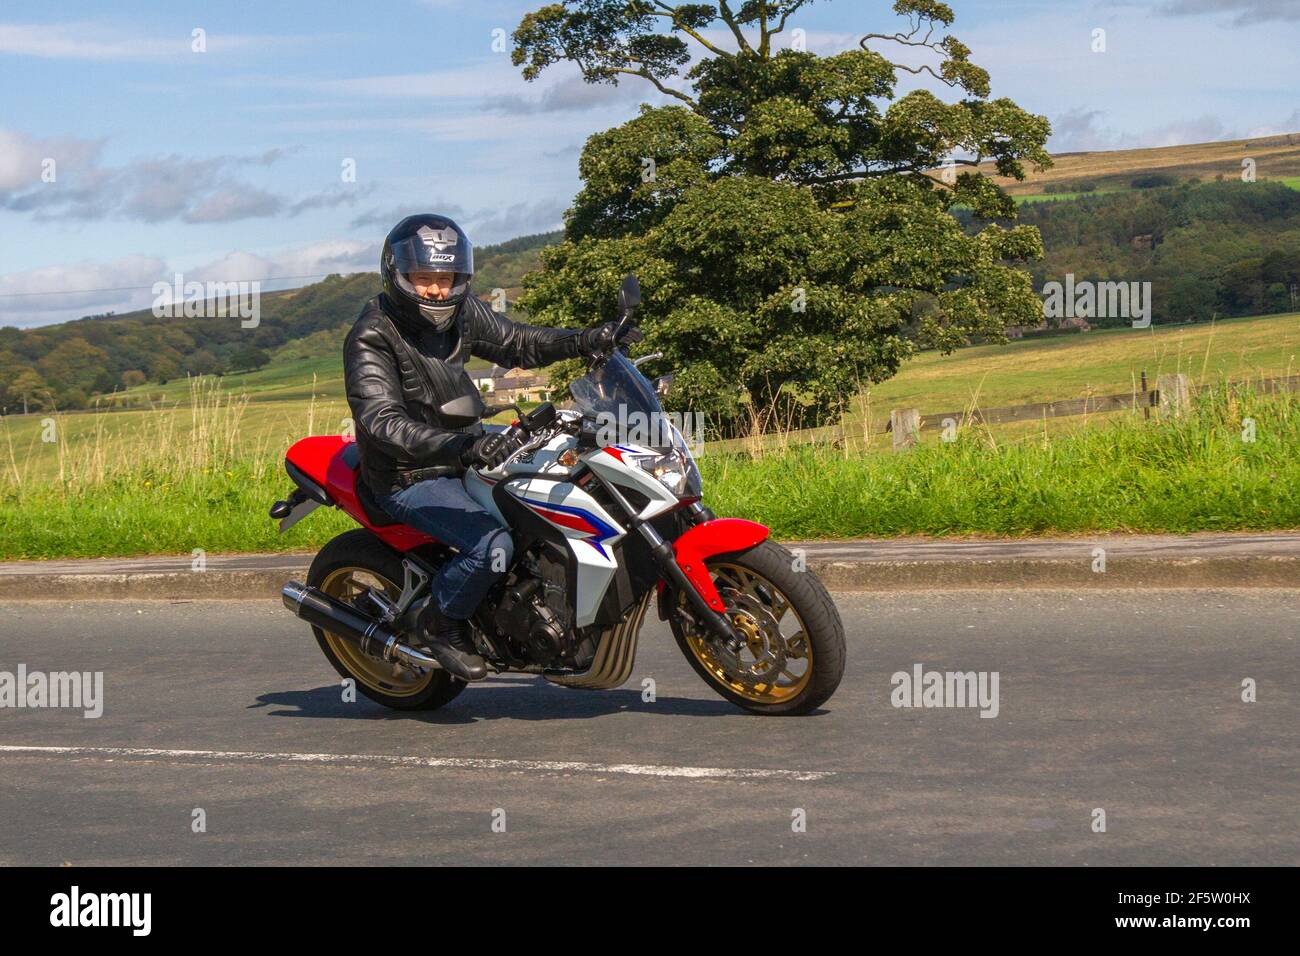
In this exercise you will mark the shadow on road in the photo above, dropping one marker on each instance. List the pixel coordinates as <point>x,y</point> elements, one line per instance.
<point>512,700</point>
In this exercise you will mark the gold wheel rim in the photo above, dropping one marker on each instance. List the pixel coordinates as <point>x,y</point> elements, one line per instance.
<point>777,659</point>
<point>386,677</point>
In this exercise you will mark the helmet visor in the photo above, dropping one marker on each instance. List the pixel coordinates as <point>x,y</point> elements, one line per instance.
<point>433,250</point>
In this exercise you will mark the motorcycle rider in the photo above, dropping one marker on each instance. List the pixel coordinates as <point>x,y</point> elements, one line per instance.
<point>416,413</point>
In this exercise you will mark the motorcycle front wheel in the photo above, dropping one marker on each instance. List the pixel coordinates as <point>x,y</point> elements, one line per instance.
<point>792,658</point>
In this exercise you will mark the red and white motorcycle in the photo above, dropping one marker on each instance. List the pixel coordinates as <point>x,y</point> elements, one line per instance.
<point>601,527</point>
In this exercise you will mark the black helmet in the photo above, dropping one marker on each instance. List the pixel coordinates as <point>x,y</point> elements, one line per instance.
<point>426,243</point>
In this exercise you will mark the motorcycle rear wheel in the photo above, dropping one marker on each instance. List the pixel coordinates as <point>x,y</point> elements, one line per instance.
<point>793,658</point>
<point>343,569</point>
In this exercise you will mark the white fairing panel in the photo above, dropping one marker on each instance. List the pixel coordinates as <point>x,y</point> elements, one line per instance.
<point>590,531</point>
<point>609,464</point>
<point>479,484</point>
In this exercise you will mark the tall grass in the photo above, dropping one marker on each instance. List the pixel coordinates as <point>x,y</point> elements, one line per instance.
<point>1233,462</point>
<point>185,478</point>
<point>182,477</point>
<point>159,447</point>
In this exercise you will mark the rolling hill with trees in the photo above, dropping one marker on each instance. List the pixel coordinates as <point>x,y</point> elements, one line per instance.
<point>1225,249</point>
<point>67,365</point>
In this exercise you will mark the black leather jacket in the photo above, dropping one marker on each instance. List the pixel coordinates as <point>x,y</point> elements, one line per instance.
<point>400,375</point>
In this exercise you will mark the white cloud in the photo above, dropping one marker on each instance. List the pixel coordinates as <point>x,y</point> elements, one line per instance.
<point>87,40</point>
<point>1150,87</point>
<point>485,225</point>
<point>1289,125</point>
<point>1084,130</point>
<point>314,259</point>
<point>1246,11</point>
<point>22,156</point>
<point>152,189</point>
<point>84,41</point>
<point>492,75</point>
<point>573,93</point>
<point>126,284</point>
<point>114,285</point>
<point>386,218</point>
<point>518,219</point>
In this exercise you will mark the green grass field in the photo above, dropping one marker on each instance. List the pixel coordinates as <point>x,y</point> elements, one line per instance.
<point>1292,182</point>
<point>1050,197</point>
<point>1100,362</point>
<point>271,408</point>
<point>1205,471</point>
<point>1126,474</point>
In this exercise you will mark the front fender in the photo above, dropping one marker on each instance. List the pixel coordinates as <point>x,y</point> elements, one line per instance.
<point>703,541</point>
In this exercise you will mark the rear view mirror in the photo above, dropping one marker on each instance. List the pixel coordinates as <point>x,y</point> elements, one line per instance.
<point>462,411</point>
<point>629,296</point>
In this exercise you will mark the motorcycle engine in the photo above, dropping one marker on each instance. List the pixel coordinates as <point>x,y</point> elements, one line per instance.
<point>532,614</point>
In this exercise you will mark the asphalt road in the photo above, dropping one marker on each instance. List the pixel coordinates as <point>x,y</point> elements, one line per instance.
<point>1127,701</point>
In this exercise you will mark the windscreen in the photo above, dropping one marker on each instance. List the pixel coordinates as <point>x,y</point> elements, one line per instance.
<point>615,389</point>
<point>625,407</point>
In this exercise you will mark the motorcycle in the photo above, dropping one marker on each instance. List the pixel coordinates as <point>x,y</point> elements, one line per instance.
<point>602,526</point>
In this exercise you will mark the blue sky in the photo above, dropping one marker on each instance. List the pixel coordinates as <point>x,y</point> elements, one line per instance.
<point>227,163</point>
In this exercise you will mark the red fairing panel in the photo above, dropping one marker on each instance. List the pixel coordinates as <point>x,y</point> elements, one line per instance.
<point>321,459</point>
<point>714,537</point>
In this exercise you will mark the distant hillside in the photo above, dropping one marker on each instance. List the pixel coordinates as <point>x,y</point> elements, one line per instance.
<point>1275,158</point>
<point>67,364</point>
<point>504,265</point>
<point>1224,249</point>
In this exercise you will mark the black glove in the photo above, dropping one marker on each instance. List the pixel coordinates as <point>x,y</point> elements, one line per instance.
<point>489,450</point>
<point>599,339</point>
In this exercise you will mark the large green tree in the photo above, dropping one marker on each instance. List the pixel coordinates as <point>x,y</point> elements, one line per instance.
<point>788,213</point>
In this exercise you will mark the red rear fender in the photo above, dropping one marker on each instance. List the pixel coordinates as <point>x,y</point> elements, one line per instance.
<point>312,456</point>
<point>329,461</point>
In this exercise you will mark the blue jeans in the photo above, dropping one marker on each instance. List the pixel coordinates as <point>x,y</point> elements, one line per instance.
<point>442,508</point>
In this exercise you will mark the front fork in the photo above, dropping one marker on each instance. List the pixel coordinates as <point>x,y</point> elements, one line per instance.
<point>682,562</point>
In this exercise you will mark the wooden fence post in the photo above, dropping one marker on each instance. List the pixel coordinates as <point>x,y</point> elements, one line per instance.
<point>904,423</point>
<point>1174,396</point>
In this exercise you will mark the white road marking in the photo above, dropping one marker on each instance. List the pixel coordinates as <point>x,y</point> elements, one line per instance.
<point>453,763</point>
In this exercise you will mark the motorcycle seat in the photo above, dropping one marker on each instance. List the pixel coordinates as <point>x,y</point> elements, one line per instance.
<point>374,514</point>
<point>365,497</point>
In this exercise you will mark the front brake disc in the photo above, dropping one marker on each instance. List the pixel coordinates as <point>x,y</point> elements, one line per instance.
<point>763,644</point>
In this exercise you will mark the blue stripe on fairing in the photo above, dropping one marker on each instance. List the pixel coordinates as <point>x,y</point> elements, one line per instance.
<point>604,530</point>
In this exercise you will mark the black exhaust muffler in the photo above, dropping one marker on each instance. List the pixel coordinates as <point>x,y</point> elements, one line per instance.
<point>343,620</point>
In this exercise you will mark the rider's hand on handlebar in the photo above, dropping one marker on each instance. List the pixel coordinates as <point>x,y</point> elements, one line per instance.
<point>491,449</point>
<point>599,339</point>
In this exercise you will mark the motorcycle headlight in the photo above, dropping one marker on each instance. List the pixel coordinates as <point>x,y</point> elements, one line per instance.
<point>674,470</point>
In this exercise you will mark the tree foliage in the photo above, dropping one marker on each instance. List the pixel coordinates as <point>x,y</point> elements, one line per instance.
<point>788,213</point>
